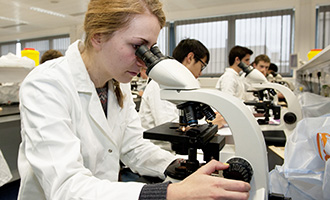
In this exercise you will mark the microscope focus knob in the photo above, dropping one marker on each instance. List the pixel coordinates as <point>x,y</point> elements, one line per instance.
<point>239,169</point>
<point>290,118</point>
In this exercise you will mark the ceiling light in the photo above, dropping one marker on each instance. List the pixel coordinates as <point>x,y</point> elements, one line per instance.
<point>13,20</point>
<point>47,12</point>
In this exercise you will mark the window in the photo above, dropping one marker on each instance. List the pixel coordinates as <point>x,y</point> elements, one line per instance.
<point>269,33</point>
<point>323,27</point>
<point>213,34</point>
<point>265,33</point>
<point>162,41</point>
<point>8,48</point>
<point>60,43</point>
<point>39,45</point>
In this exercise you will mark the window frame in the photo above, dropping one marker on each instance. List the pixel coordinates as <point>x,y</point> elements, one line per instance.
<point>231,37</point>
<point>322,25</point>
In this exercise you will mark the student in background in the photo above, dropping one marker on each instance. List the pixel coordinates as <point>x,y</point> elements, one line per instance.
<point>262,63</point>
<point>230,81</point>
<point>272,74</point>
<point>49,55</point>
<point>155,111</point>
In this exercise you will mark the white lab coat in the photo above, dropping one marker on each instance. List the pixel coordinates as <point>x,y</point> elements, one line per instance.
<point>230,82</point>
<point>69,149</point>
<point>153,110</point>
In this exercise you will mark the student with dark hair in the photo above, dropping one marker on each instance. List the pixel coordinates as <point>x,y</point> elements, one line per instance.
<point>189,50</point>
<point>230,81</point>
<point>272,69</point>
<point>272,74</point>
<point>155,111</point>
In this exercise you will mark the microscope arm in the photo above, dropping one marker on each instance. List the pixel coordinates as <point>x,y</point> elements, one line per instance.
<point>247,135</point>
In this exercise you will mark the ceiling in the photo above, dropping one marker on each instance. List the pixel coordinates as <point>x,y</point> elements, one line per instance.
<point>21,19</point>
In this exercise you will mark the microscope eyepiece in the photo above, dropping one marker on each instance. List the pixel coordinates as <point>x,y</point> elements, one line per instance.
<point>148,57</point>
<point>247,69</point>
<point>156,51</point>
<point>141,50</point>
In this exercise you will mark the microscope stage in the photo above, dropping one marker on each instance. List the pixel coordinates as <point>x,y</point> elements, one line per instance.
<point>173,132</point>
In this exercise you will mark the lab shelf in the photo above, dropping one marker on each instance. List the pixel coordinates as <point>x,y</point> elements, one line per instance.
<point>318,62</point>
<point>315,74</point>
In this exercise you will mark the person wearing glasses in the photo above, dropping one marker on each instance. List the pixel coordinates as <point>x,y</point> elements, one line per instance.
<point>230,81</point>
<point>192,54</point>
<point>153,110</point>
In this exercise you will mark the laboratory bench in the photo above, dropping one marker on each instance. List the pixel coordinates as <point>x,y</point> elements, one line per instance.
<point>10,138</point>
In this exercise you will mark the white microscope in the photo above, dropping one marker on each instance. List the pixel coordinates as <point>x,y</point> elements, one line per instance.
<point>179,86</point>
<point>290,114</point>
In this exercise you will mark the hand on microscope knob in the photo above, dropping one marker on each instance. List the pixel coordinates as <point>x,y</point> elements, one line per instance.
<point>201,185</point>
<point>239,169</point>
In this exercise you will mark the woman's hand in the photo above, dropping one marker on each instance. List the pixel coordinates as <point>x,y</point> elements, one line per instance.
<point>201,185</point>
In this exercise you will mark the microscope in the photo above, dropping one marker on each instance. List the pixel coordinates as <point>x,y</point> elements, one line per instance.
<point>288,115</point>
<point>274,77</point>
<point>178,85</point>
<point>187,136</point>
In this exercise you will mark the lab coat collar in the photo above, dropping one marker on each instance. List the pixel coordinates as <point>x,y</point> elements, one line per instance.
<point>82,80</point>
<point>84,84</point>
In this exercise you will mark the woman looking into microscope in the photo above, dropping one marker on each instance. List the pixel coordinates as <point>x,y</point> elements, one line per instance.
<point>79,119</point>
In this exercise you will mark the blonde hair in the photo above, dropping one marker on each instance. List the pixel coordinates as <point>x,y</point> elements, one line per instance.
<point>108,16</point>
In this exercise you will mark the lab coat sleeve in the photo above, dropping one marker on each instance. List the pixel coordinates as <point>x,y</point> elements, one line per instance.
<point>52,149</point>
<point>142,155</point>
